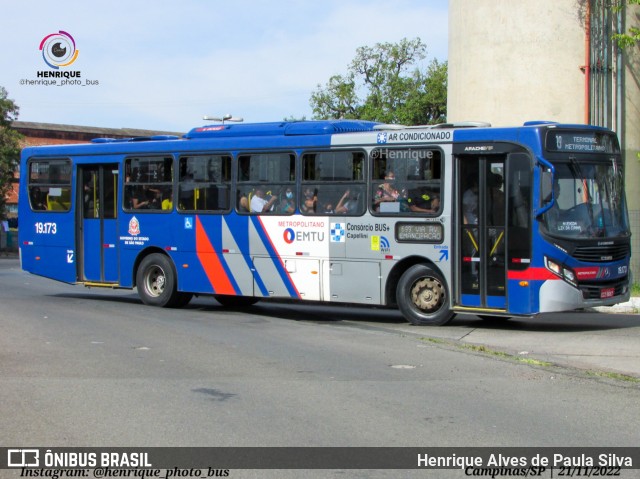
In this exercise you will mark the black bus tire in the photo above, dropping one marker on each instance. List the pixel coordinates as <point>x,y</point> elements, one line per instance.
<point>156,281</point>
<point>182,299</point>
<point>423,297</point>
<point>230,301</point>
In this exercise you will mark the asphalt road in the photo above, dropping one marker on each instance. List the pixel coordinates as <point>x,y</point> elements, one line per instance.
<point>83,368</point>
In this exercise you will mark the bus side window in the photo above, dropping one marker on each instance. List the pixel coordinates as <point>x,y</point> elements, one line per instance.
<point>50,185</point>
<point>333,183</point>
<point>405,181</point>
<point>148,182</point>
<point>264,181</point>
<point>204,183</point>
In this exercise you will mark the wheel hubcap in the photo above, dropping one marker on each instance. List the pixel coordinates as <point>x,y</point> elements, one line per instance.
<point>427,294</point>
<point>155,281</point>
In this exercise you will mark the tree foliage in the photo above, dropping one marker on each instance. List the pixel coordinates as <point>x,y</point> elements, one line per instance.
<point>383,84</point>
<point>9,146</point>
<point>632,36</point>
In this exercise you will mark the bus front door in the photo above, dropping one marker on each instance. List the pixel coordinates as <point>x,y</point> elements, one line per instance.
<point>97,223</point>
<point>481,270</point>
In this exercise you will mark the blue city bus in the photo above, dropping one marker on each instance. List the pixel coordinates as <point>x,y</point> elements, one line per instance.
<point>432,220</point>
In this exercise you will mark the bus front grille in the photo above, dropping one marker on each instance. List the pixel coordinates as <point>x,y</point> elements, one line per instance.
<point>601,254</point>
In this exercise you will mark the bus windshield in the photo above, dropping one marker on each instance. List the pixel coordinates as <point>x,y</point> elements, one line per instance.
<point>589,200</point>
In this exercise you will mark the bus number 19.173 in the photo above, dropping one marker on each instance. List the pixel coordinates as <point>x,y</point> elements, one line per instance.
<point>46,228</point>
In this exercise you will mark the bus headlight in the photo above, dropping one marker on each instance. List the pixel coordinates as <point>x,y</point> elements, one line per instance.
<point>553,266</point>
<point>569,276</point>
<point>562,271</point>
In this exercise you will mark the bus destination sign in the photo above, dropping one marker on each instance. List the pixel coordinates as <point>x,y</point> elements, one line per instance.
<point>581,142</point>
<point>419,232</point>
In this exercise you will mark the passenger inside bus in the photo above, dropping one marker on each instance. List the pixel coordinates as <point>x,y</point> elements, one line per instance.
<point>167,201</point>
<point>145,197</point>
<point>470,202</point>
<point>328,208</point>
<point>258,202</point>
<point>38,199</point>
<point>287,203</point>
<point>496,200</point>
<point>422,200</point>
<point>386,192</point>
<point>310,200</point>
<point>348,204</point>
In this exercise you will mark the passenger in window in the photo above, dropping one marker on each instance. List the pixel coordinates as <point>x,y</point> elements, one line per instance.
<point>309,201</point>
<point>470,203</point>
<point>243,203</point>
<point>167,201</point>
<point>423,201</point>
<point>386,192</point>
<point>39,199</point>
<point>287,204</point>
<point>145,197</point>
<point>496,200</point>
<point>258,202</point>
<point>347,205</point>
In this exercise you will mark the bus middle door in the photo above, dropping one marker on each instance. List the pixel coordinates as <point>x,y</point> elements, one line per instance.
<point>97,223</point>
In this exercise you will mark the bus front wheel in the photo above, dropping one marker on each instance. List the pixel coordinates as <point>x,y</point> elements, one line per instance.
<point>422,297</point>
<point>156,281</point>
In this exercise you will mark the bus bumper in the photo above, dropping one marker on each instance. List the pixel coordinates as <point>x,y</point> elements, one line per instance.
<point>556,295</point>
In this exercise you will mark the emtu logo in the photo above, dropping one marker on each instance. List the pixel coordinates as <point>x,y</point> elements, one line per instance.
<point>59,50</point>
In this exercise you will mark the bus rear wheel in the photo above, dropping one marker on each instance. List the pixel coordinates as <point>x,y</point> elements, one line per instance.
<point>156,281</point>
<point>422,297</point>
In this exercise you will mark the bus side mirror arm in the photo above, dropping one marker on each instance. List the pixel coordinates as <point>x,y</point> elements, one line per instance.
<point>547,180</point>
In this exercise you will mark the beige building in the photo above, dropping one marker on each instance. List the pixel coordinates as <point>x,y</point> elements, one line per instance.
<point>514,61</point>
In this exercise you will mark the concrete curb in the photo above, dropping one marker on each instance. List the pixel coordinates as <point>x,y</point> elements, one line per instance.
<point>630,307</point>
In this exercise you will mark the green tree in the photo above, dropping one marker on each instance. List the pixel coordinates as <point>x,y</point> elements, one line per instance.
<point>9,147</point>
<point>383,84</point>
<point>632,36</point>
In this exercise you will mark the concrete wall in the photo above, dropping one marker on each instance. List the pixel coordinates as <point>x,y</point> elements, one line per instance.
<point>631,138</point>
<point>513,61</point>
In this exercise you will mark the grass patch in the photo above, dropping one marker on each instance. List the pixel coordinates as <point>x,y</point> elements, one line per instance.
<point>635,289</point>
<point>617,376</point>
<point>435,340</point>
<point>491,352</point>
<point>530,361</point>
<point>501,354</point>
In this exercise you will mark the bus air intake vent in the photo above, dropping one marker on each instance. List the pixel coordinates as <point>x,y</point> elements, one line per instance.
<point>601,254</point>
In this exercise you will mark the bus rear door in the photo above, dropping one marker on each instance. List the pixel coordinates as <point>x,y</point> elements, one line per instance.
<point>97,223</point>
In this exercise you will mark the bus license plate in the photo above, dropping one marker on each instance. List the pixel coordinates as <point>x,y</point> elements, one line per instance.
<point>607,293</point>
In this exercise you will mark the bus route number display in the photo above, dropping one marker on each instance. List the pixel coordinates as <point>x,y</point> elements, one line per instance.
<point>581,142</point>
<point>419,232</point>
